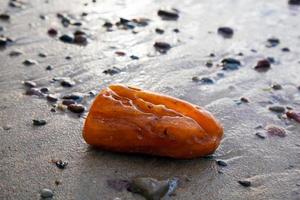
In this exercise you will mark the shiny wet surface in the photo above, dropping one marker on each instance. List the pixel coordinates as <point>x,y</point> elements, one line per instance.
<point>271,164</point>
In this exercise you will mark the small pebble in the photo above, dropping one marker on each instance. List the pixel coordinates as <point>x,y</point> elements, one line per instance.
<point>274,130</point>
<point>6,127</point>
<point>206,80</point>
<point>112,71</point>
<point>44,90</point>
<point>67,82</point>
<point>80,39</point>
<point>285,49</point>
<point>49,67</point>
<point>52,98</point>
<point>276,86</point>
<point>230,64</point>
<point>4,16</point>
<point>3,41</point>
<point>52,32</point>
<point>260,135</point>
<point>133,57</point>
<point>162,47</point>
<point>42,55</point>
<point>272,42</point>
<point>244,99</point>
<point>221,163</point>
<point>209,63</point>
<point>120,53</point>
<point>66,38</point>
<point>46,193</point>
<point>176,30</point>
<point>244,183</point>
<point>168,14</point>
<point>29,84</point>
<point>159,31</point>
<point>74,96</point>
<point>15,53</point>
<point>39,122</point>
<point>278,109</point>
<point>76,108</point>
<point>68,102</point>
<point>61,164</point>
<point>263,65</point>
<point>29,62</point>
<point>226,32</point>
<point>293,115</point>
<point>33,91</point>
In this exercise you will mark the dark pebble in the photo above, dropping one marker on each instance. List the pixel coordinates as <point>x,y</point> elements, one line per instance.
<point>276,131</point>
<point>212,55</point>
<point>278,109</point>
<point>133,57</point>
<point>196,79</point>
<point>66,38</point>
<point>221,163</point>
<point>68,57</point>
<point>120,53</point>
<point>4,17</point>
<point>46,193</point>
<point>52,98</point>
<point>271,59</point>
<point>68,102</point>
<point>272,42</point>
<point>6,127</point>
<point>3,41</point>
<point>226,32</point>
<point>209,63</point>
<point>244,99</point>
<point>276,86</point>
<point>118,184</point>
<point>77,23</point>
<point>107,25</point>
<point>29,84</point>
<point>80,39</point>
<point>294,2</point>
<point>176,30</point>
<point>244,183</point>
<point>29,62</point>
<point>52,32</point>
<point>33,91</point>
<point>159,31</point>
<point>76,108</point>
<point>15,53</point>
<point>112,71</point>
<point>168,15</point>
<point>263,65</point>
<point>66,82</point>
<point>42,55</point>
<point>230,64</point>
<point>260,135</point>
<point>75,96</point>
<point>285,49</point>
<point>49,67</point>
<point>61,164</point>
<point>293,115</point>
<point>162,47</point>
<point>206,80</point>
<point>39,122</point>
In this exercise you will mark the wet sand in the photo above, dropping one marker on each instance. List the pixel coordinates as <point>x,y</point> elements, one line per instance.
<point>272,165</point>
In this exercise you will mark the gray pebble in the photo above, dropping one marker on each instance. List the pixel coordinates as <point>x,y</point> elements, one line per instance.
<point>221,163</point>
<point>30,84</point>
<point>244,183</point>
<point>46,193</point>
<point>260,135</point>
<point>278,109</point>
<point>29,62</point>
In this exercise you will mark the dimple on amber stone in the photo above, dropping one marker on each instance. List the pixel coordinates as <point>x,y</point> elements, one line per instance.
<point>132,120</point>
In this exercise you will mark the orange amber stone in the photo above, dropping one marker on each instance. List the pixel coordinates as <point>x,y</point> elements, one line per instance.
<point>132,120</point>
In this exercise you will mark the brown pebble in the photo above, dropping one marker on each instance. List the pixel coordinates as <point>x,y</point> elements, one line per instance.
<point>52,98</point>
<point>52,32</point>
<point>278,109</point>
<point>244,99</point>
<point>76,108</point>
<point>263,65</point>
<point>293,115</point>
<point>168,14</point>
<point>274,130</point>
<point>162,47</point>
<point>120,53</point>
<point>68,102</point>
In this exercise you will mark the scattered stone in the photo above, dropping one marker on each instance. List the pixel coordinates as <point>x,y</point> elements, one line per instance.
<point>133,57</point>
<point>294,2</point>
<point>68,57</point>
<point>260,135</point>
<point>159,31</point>
<point>272,42</point>
<point>120,53</point>
<point>42,55</point>
<point>276,131</point>
<point>68,102</point>
<point>57,182</point>
<point>278,109</point>
<point>293,115</point>
<point>29,62</point>
<point>212,55</point>
<point>29,84</point>
<point>162,47</point>
<point>118,184</point>
<point>168,14</point>
<point>263,65</point>
<point>150,188</point>
<point>76,108</point>
<point>285,49</point>
<point>3,41</point>
<point>52,98</point>
<point>15,53</point>
<point>107,24</point>
<point>195,79</point>
<point>66,38</point>
<point>4,16</point>
<point>39,122</point>
<point>206,80</point>
<point>6,127</point>
<point>33,91</point>
<point>230,64</point>
<point>46,193</point>
<point>52,32</point>
<point>78,97</point>
<point>244,99</point>
<point>221,163</point>
<point>49,67</point>
<point>67,82</point>
<point>226,32</point>
<point>125,24</point>
<point>209,63</point>
<point>112,71</point>
<point>141,21</point>
<point>276,86</point>
<point>60,164</point>
<point>244,183</point>
<point>80,39</point>
<point>271,59</point>
<point>44,90</point>
<point>176,30</point>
